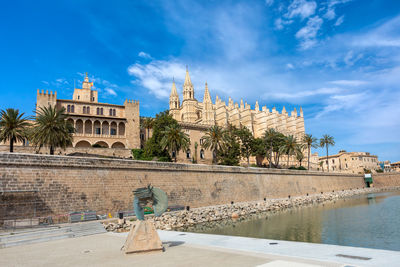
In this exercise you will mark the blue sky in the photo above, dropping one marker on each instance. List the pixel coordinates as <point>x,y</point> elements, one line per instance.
<point>338,59</point>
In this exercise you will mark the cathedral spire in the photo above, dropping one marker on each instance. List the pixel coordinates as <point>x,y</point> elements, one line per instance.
<point>187,78</point>
<point>207,97</point>
<point>174,92</point>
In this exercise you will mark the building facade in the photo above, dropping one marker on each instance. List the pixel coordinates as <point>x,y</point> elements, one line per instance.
<point>350,162</point>
<point>97,124</point>
<point>207,113</point>
<point>196,117</point>
<point>395,166</point>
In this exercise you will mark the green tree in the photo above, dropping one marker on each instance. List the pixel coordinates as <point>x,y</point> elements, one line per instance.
<point>13,126</point>
<point>153,147</point>
<point>52,129</point>
<point>299,153</point>
<point>230,152</point>
<point>274,141</point>
<point>214,140</point>
<point>147,123</point>
<point>327,141</point>
<point>309,141</point>
<point>259,150</point>
<point>246,143</point>
<point>174,139</point>
<point>289,147</point>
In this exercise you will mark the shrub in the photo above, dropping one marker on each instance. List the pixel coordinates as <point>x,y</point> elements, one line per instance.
<point>302,168</point>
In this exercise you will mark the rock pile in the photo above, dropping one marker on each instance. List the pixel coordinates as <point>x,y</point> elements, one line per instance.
<point>184,219</point>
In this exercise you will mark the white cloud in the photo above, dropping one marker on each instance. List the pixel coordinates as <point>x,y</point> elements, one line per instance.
<point>46,82</point>
<point>386,35</point>
<point>301,8</point>
<point>281,23</point>
<point>350,59</point>
<point>289,66</point>
<point>307,34</point>
<point>349,82</point>
<point>144,55</point>
<point>157,76</point>
<point>289,96</point>
<point>110,91</point>
<point>339,21</point>
<point>269,2</point>
<point>330,14</point>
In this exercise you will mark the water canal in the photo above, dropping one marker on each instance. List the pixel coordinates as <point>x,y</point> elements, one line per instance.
<point>370,220</point>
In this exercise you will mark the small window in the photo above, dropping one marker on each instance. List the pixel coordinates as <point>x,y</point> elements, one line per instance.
<point>69,108</point>
<point>72,108</point>
<point>88,110</point>
<point>202,156</point>
<point>114,112</point>
<point>98,111</point>
<point>84,110</point>
<point>78,97</point>
<point>110,112</point>
<point>173,154</point>
<point>101,111</point>
<point>92,98</point>
<point>188,154</point>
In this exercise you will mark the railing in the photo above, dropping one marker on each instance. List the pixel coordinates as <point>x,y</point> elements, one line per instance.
<point>100,135</point>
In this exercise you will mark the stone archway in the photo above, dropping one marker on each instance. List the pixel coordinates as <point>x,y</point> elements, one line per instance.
<point>83,143</point>
<point>118,145</point>
<point>102,144</point>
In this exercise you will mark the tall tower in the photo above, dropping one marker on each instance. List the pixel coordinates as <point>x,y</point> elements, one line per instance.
<point>188,90</point>
<point>190,113</point>
<point>208,110</point>
<point>174,103</point>
<point>85,94</point>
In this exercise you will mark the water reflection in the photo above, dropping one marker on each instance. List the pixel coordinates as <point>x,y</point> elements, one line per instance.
<point>364,221</point>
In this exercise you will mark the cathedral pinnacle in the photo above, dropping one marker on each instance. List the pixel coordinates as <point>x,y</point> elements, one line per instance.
<point>174,92</point>
<point>207,97</point>
<point>187,78</point>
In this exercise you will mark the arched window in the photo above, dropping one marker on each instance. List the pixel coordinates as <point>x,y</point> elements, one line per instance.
<point>173,154</point>
<point>98,111</point>
<point>72,108</point>
<point>202,156</point>
<point>188,154</point>
<point>69,108</point>
<point>101,111</point>
<point>88,110</point>
<point>110,112</point>
<point>114,112</point>
<point>84,110</point>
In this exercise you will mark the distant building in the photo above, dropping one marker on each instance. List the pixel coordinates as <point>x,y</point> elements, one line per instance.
<point>350,162</point>
<point>385,166</point>
<point>97,124</point>
<point>395,166</point>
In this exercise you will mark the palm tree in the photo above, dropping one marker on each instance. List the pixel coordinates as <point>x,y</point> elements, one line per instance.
<point>174,139</point>
<point>289,146</point>
<point>327,141</point>
<point>12,126</point>
<point>147,123</point>
<point>196,145</point>
<point>321,164</point>
<point>309,141</point>
<point>52,129</point>
<point>299,153</point>
<point>214,139</point>
<point>269,136</point>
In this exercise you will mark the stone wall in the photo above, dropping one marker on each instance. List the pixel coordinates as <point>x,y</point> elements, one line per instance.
<point>108,152</point>
<point>59,184</point>
<point>386,179</point>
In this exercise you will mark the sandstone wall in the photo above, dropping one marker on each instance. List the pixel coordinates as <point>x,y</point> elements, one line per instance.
<point>59,184</point>
<point>386,179</point>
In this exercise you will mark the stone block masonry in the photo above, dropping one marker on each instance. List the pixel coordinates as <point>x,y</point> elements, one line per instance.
<point>43,185</point>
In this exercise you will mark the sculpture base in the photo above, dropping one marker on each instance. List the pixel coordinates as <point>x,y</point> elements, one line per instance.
<point>142,238</point>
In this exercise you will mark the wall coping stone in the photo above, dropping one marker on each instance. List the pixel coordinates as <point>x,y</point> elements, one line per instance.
<point>56,161</point>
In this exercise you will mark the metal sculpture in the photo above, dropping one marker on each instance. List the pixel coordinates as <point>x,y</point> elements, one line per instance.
<point>147,196</point>
<point>143,236</point>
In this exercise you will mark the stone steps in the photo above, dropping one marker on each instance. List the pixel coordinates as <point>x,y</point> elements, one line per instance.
<point>31,236</point>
